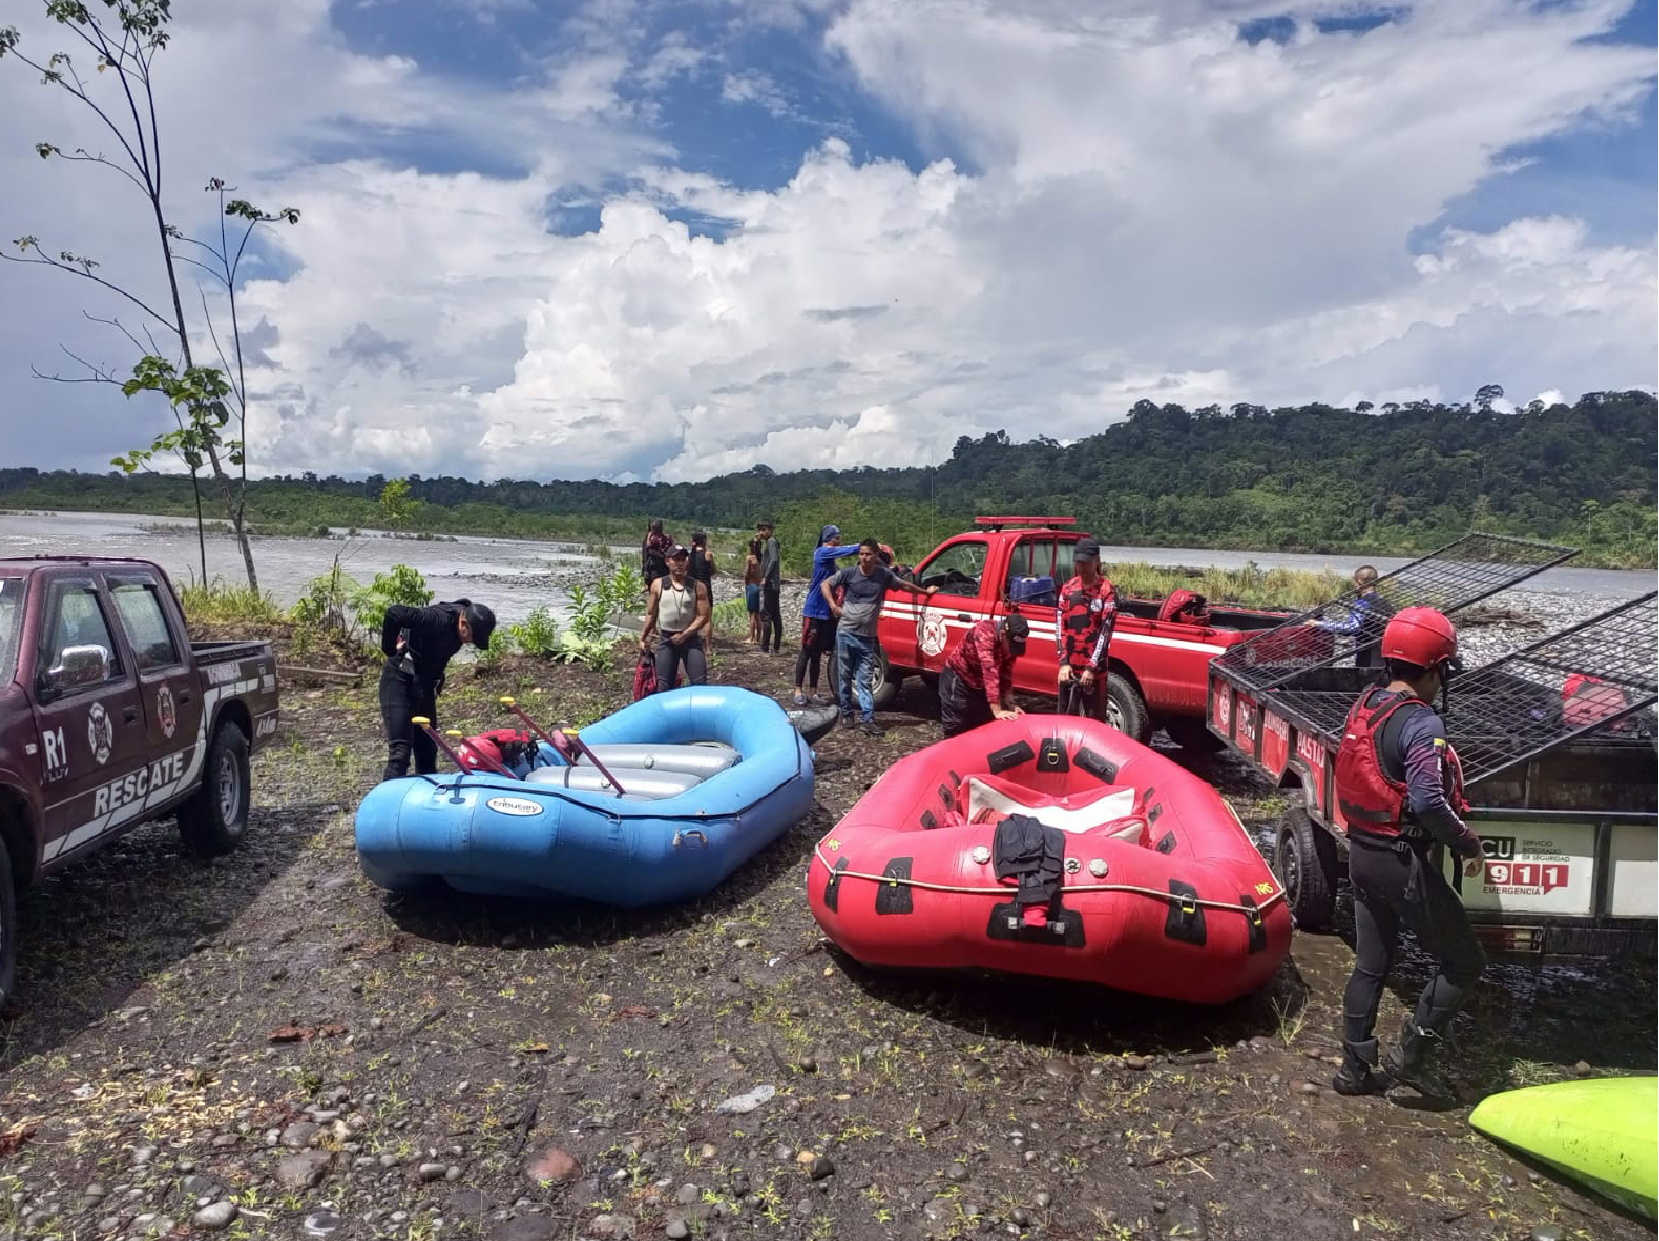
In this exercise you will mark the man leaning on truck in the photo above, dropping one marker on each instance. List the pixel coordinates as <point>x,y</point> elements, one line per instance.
<point>1400,789</point>
<point>418,644</point>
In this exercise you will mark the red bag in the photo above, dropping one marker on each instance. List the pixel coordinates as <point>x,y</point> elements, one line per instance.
<point>645,676</point>
<point>1185,607</point>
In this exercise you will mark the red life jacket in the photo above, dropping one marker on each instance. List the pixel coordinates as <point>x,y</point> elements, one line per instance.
<point>1082,613</point>
<point>1371,801</point>
<point>1588,700</point>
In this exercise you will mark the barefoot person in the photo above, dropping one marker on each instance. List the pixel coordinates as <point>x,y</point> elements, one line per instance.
<point>1400,788</point>
<point>418,644</point>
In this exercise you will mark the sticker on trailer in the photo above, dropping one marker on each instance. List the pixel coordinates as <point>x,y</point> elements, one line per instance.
<point>165,712</point>
<point>1224,709</point>
<point>934,634</point>
<point>1534,869</point>
<point>1275,743</point>
<point>1310,751</point>
<point>1633,889</point>
<point>100,733</point>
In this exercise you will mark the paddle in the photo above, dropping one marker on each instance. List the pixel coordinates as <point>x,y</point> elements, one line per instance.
<point>567,743</point>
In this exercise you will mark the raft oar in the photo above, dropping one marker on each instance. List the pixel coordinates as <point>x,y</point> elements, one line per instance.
<point>486,760</point>
<point>422,721</point>
<point>567,743</point>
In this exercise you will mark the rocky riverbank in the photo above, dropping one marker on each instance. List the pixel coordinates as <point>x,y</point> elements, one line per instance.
<point>268,1046</point>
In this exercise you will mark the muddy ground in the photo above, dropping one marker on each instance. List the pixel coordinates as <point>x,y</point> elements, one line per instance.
<point>268,1046</point>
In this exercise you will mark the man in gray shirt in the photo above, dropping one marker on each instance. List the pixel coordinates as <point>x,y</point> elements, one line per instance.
<point>855,596</point>
<point>771,569</point>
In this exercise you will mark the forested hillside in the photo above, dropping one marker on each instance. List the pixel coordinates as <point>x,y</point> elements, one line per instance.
<point>1315,478</point>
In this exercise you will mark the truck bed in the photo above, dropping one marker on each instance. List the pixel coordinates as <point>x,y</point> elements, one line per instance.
<point>225,652</point>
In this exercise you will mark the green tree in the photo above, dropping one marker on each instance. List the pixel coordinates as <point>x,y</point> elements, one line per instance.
<point>123,42</point>
<point>394,503</point>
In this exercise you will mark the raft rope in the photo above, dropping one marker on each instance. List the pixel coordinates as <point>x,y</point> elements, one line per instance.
<point>1169,898</point>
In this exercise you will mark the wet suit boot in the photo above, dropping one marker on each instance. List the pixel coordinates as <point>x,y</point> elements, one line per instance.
<point>1411,1063</point>
<point>1358,1074</point>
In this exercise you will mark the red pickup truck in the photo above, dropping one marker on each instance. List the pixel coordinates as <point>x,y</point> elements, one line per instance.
<point>110,717</point>
<point>1159,669</point>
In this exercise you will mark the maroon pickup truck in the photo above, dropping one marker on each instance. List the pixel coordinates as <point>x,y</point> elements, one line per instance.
<point>111,717</point>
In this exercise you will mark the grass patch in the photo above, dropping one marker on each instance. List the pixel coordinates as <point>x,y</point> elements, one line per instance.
<point>220,603</point>
<point>1250,586</point>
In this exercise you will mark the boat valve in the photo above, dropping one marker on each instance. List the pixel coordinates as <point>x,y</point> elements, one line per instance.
<point>982,855</point>
<point>1097,867</point>
<point>1073,866</point>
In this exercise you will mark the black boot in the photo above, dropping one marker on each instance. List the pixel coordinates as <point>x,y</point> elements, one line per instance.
<point>1411,1063</point>
<point>1358,1075</point>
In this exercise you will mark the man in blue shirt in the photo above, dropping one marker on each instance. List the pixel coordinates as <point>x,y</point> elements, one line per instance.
<point>817,622</point>
<point>1366,619</point>
<point>861,589</point>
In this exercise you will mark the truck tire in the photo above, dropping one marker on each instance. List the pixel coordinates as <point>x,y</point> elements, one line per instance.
<point>1126,709</point>
<point>213,822</point>
<point>884,685</point>
<point>1192,734</point>
<point>8,926</point>
<point>1306,863</point>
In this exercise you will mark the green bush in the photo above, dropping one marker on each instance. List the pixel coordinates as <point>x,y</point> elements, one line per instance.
<point>403,585</point>
<point>218,603</point>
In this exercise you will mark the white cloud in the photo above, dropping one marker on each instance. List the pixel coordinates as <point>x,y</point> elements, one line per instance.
<point>1146,207</point>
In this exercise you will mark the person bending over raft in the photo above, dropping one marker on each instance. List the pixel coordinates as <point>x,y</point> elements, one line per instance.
<point>418,644</point>
<point>977,684</point>
<point>680,606</point>
<point>1400,788</point>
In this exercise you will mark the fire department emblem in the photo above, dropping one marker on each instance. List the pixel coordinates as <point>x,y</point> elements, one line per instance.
<point>100,733</point>
<point>164,711</point>
<point>933,635</point>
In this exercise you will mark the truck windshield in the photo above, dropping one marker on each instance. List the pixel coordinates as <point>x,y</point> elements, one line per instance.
<point>11,624</point>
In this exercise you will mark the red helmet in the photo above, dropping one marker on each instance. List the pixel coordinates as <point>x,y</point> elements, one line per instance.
<point>1420,636</point>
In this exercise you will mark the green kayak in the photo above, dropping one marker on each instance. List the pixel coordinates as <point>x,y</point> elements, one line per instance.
<point>1603,1132</point>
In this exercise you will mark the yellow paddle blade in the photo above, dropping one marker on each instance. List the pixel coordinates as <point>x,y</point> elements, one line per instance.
<point>508,700</point>
<point>423,721</point>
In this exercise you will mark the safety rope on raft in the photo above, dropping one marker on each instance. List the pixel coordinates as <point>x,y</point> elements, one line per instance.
<point>1170,898</point>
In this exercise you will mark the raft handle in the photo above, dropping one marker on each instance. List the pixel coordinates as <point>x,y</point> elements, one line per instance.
<point>681,837</point>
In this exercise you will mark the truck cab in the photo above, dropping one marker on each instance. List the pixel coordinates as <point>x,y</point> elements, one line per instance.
<point>110,717</point>
<point>1017,565</point>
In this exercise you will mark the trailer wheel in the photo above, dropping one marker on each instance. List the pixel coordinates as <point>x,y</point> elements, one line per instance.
<point>1306,862</point>
<point>1126,709</point>
<point>213,821</point>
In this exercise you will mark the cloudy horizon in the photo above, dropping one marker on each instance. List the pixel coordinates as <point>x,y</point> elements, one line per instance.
<point>668,239</point>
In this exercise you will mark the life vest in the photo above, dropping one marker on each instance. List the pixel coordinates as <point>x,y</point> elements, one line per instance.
<point>1082,613</point>
<point>1372,802</point>
<point>1185,607</point>
<point>1586,701</point>
<point>505,746</point>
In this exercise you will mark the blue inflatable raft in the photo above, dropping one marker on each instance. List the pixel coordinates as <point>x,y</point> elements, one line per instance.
<point>710,775</point>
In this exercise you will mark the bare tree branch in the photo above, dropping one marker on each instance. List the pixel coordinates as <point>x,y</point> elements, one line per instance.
<point>95,375</point>
<point>117,325</point>
<point>78,90</point>
<point>81,155</point>
<point>48,261</point>
<point>241,401</point>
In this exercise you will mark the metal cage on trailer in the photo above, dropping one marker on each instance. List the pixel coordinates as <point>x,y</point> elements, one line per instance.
<point>1557,743</point>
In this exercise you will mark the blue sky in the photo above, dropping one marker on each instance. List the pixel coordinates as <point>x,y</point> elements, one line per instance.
<point>665,238</point>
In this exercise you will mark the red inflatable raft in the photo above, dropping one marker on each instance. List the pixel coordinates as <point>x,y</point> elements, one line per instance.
<point>1152,885</point>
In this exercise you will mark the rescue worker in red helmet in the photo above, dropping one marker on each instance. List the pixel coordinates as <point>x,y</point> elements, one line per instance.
<point>1400,790</point>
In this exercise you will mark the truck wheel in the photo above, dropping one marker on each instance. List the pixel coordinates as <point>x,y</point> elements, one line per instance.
<point>1306,862</point>
<point>1126,709</point>
<point>884,686</point>
<point>213,822</point>
<point>1190,733</point>
<point>8,925</point>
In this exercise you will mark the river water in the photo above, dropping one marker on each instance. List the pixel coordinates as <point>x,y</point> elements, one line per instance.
<point>517,575</point>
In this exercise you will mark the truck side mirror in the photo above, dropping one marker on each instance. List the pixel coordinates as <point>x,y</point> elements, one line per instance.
<point>78,666</point>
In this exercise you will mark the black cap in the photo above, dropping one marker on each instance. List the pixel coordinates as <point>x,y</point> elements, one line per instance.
<point>1086,549</point>
<point>1017,629</point>
<point>678,550</point>
<point>481,620</point>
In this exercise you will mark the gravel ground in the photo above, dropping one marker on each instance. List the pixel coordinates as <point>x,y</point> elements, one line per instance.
<point>268,1046</point>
